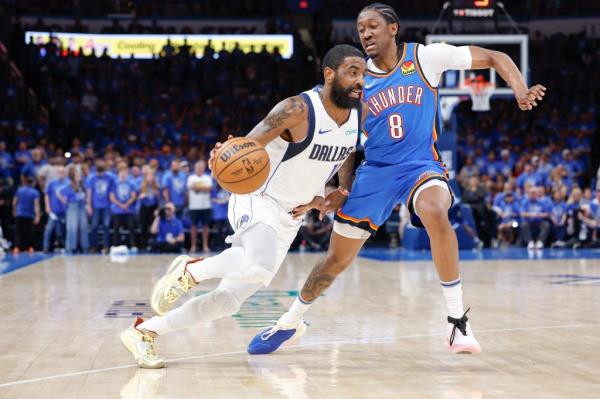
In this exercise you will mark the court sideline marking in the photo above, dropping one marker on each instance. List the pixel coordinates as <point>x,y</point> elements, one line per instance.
<point>353,341</point>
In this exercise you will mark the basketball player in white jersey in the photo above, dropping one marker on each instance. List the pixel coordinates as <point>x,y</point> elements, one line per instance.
<point>308,137</point>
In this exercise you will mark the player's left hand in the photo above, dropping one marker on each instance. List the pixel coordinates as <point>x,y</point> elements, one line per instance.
<point>316,203</point>
<point>211,159</point>
<point>529,99</point>
<point>335,200</point>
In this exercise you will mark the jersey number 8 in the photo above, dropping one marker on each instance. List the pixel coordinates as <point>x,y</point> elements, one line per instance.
<point>395,125</point>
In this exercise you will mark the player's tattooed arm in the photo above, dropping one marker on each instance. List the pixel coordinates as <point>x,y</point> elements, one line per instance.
<point>346,172</point>
<point>284,116</point>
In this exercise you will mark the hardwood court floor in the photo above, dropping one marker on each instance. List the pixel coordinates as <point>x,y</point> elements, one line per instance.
<point>378,333</point>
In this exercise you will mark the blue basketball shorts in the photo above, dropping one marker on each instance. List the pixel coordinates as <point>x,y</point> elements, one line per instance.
<point>378,188</point>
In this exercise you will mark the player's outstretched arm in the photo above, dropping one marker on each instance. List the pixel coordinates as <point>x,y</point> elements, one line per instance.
<point>527,98</point>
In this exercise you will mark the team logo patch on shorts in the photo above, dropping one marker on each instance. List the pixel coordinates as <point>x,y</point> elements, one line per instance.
<point>242,221</point>
<point>425,175</point>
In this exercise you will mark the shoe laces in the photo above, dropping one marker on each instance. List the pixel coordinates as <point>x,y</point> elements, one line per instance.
<point>460,324</point>
<point>183,285</point>
<point>270,331</point>
<point>149,345</point>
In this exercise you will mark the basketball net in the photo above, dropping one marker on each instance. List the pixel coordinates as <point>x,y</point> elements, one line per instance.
<point>480,92</point>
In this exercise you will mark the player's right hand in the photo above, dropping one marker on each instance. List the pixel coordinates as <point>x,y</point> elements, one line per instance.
<point>211,159</point>
<point>528,100</point>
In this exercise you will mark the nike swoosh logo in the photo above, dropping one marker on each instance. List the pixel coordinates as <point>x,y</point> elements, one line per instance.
<point>324,131</point>
<point>369,86</point>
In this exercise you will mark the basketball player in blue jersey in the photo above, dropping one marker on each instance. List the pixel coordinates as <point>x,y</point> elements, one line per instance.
<point>402,164</point>
<point>308,137</point>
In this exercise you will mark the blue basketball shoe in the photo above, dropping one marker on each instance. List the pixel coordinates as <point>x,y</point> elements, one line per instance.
<point>273,337</point>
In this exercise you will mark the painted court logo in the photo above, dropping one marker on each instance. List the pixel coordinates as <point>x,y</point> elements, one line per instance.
<point>407,68</point>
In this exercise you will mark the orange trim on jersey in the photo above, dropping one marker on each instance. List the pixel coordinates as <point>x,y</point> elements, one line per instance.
<point>434,152</point>
<point>355,220</point>
<point>384,75</point>
<point>421,182</point>
<point>423,78</point>
<point>365,132</point>
<point>436,155</point>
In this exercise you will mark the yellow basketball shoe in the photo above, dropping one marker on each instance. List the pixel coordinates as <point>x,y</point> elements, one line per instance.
<point>141,345</point>
<point>173,284</point>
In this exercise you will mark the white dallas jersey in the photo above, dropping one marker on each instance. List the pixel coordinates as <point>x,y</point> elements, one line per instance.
<point>299,171</point>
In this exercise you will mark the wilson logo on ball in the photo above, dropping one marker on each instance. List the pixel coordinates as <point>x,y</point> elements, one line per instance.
<point>235,149</point>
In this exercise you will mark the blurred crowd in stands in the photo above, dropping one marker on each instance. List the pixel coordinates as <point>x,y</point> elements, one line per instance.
<point>109,151</point>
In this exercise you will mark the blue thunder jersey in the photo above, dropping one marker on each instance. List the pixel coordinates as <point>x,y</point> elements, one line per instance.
<point>404,117</point>
<point>402,125</point>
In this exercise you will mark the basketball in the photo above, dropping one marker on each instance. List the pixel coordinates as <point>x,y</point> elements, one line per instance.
<point>241,165</point>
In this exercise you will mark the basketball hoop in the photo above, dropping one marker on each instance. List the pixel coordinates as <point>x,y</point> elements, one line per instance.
<point>480,92</point>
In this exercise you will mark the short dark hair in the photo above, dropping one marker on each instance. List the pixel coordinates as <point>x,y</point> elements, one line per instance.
<point>387,12</point>
<point>337,54</point>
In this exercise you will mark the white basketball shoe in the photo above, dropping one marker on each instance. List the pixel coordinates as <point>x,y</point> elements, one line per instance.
<point>460,338</point>
<point>172,285</point>
<point>141,344</point>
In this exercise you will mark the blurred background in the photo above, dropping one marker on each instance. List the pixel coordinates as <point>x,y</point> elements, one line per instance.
<point>107,107</point>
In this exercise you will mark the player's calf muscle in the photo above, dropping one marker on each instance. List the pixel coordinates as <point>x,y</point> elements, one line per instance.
<point>318,281</point>
<point>322,276</point>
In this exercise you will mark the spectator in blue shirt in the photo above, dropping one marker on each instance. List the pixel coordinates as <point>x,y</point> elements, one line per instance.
<point>32,167</point>
<point>98,188</point>
<point>175,187</point>
<point>558,216</point>
<point>544,167</point>
<point>505,165</point>
<point>74,196</point>
<point>168,229</point>
<point>56,210</point>
<point>534,226</point>
<point>491,167</point>
<point>572,166</point>
<point>136,178</point>
<point>529,176</point>
<point>22,155</point>
<point>508,215</point>
<point>468,170</point>
<point>149,198</point>
<point>123,196</point>
<point>26,208</point>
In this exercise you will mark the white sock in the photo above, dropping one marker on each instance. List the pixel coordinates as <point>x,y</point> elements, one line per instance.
<point>157,325</point>
<point>218,266</point>
<point>453,294</point>
<point>296,312</point>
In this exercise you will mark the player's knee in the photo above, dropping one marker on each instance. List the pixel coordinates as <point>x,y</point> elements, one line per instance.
<point>264,259</point>
<point>227,302</point>
<point>430,210</point>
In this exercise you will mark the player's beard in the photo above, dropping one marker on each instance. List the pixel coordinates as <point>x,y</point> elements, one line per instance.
<point>341,96</point>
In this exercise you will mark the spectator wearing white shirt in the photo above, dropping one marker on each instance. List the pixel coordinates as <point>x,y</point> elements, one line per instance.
<point>199,186</point>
